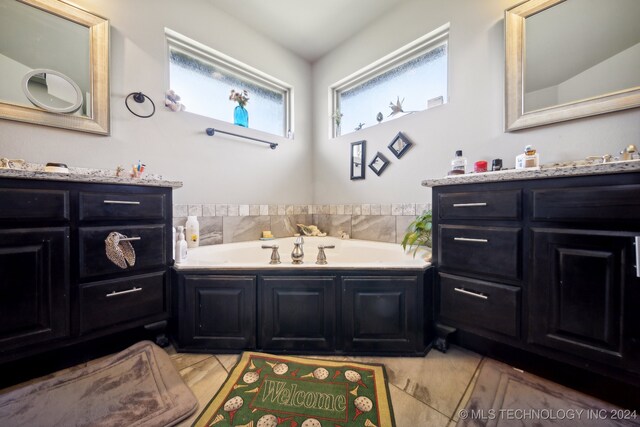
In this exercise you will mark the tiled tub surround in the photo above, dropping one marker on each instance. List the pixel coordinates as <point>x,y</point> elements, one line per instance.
<point>228,223</point>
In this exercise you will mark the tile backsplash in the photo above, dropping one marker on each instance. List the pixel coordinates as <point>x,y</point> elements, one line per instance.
<point>227,223</point>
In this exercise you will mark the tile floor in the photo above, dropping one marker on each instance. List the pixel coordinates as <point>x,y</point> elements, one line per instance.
<point>425,391</point>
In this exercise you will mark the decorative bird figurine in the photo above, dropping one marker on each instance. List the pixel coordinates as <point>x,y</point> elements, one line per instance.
<point>360,125</point>
<point>397,107</point>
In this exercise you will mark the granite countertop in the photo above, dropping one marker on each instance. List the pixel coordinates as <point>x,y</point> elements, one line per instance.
<point>553,170</point>
<point>101,176</point>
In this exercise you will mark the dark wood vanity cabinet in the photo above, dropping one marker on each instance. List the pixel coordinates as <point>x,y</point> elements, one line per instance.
<point>34,286</point>
<point>310,311</point>
<point>380,313</point>
<point>221,312</point>
<point>297,312</point>
<point>584,293</point>
<point>57,286</point>
<point>553,273</point>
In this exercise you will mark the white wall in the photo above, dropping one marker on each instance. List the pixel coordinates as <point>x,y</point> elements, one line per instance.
<point>226,170</point>
<point>471,121</point>
<point>213,169</point>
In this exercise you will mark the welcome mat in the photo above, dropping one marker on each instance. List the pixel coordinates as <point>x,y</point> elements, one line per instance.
<point>137,387</point>
<point>265,390</point>
<point>504,396</point>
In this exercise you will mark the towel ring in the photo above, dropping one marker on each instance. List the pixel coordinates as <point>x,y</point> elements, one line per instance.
<point>139,97</point>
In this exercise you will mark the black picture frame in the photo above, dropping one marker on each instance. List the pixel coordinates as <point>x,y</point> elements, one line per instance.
<point>375,167</point>
<point>399,145</point>
<point>358,161</point>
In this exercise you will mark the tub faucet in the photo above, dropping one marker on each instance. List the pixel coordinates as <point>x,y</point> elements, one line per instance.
<point>322,257</point>
<point>297,255</point>
<point>275,256</point>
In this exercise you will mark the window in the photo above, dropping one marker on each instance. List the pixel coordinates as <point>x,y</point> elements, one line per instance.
<point>204,78</point>
<point>412,79</point>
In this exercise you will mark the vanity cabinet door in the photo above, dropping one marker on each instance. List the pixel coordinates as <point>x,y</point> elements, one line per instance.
<point>297,312</point>
<point>585,293</point>
<point>381,313</point>
<point>217,312</point>
<point>34,286</point>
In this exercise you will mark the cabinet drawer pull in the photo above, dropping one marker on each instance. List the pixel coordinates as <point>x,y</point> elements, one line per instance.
<point>468,239</point>
<point>637,243</point>
<point>130,239</point>
<point>120,202</point>
<point>472,294</point>
<point>128,291</point>
<point>469,205</point>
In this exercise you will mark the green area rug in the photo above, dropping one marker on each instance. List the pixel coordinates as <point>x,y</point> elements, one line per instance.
<point>264,390</point>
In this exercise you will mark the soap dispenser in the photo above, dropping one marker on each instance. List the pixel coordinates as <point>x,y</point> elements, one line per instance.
<point>181,246</point>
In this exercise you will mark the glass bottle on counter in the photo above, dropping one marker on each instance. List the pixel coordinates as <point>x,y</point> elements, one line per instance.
<point>458,164</point>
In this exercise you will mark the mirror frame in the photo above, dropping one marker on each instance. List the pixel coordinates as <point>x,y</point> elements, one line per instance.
<point>515,117</point>
<point>99,123</point>
<point>363,160</point>
<point>383,159</point>
<point>407,144</point>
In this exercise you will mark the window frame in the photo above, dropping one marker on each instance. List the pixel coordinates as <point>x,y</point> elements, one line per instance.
<point>408,52</point>
<point>202,52</point>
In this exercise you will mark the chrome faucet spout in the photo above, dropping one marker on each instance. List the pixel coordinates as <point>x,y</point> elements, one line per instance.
<point>297,255</point>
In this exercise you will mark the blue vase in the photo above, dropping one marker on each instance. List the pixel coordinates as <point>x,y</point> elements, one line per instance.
<point>241,116</point>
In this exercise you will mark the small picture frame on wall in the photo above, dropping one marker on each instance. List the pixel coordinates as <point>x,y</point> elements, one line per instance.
<point>400,144</point>
<point>358,159</point>
<point>379,163</point>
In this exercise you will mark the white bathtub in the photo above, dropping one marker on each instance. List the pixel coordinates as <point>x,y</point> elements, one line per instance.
<point>347,254</point>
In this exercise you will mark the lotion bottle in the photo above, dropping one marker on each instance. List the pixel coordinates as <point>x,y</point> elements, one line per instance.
<point>193,232</point>
<point>181,246</point>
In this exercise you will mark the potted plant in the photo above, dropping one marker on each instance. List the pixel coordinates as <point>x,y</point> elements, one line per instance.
<point>418,233</point>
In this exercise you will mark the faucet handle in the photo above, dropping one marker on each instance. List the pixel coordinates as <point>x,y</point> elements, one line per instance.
<point>299,241</point>
<point>275,256</point>
<point>322,257</point>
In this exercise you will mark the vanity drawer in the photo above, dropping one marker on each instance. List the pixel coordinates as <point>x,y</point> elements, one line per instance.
<point>149,245</point>
<point>118,301</point>
<point>30,204</point>
<point>480,304</point>
<point>494,251</point>
<point>503,204</point>
<point>108,206</point>
<point>610,203</point>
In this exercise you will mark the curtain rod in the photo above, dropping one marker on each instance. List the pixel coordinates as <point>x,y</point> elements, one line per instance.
<point>212,131</point>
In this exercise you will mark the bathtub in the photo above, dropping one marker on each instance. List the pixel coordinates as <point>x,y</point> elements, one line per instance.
<point>349,254</point>
<point>371,298</point>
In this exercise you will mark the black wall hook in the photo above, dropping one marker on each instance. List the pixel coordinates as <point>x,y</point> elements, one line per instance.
<point>139,97</point>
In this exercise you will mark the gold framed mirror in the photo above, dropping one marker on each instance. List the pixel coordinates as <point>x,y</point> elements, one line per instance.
<point>63,40</point>
<point>567,59</point>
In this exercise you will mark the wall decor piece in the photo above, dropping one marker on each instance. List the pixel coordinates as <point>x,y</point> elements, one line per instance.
<point>172,101</point>
<point>69,47</point>
<point>379,163</point>
<point>400,144</point>
<point>358,159</point>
